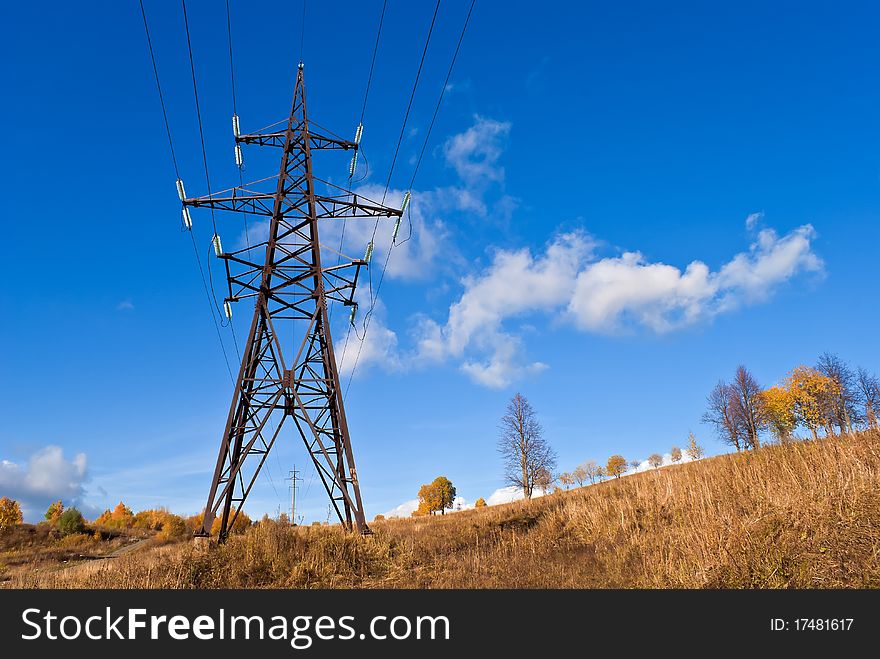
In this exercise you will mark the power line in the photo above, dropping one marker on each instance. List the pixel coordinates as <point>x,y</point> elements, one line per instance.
<point>177,175</point>
<point>247,237</point>
<point>464,28</point>
<point>369,315</point>
<point>409,105</point>
<point>192,67</point>
<point>360,127</point>
<point>390,172</point>
<point>373,61</point>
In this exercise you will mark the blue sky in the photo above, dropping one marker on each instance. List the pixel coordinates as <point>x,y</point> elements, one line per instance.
<point>581,229</point>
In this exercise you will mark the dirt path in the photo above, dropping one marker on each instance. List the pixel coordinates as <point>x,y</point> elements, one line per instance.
<point>122,551</point>
<point>95,564</point>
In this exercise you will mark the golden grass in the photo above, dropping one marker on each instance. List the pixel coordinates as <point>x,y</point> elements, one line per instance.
<point>803,515</point>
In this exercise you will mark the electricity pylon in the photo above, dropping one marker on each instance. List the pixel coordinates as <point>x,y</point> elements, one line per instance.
<point>291,288</point>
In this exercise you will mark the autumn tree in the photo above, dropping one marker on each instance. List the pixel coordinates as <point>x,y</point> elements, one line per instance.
<point>655,460</point>
<point>840,404</point>
<point>721,415</point>
<point>868,388</point>
<point>10,514</point>
<point>615,466</point>
<point>480,503</point>
<point>601,473</point>
<point>590,470</point>
<point>635,464</point>
<point>379,518</point>
<point>120,518</point>
<point>53,512</point>
<point>437,495</point>
<point>173,527</point>
<point>810,390</point>
<point>779,411</point>
<point>675,454</point>
<point>240,524</point>
<point>693,450</point>
<point>567,479</point>
<point>579,475</point>
<point>522,446</point>
<point>71,521</point>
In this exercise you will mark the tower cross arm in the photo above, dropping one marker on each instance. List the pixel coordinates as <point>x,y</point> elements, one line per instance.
<point>317,141</point>
<point>352,206</point>
<point>254,204</point>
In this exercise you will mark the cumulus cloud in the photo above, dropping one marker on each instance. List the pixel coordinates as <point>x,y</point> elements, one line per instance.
<point>474,153</point>
<point>412,258</point>
<point>604,295</point>
<point>376,346</point>
<point>515,283</point>
<point>509,494</point>
<point>753,219</point>
<point>46,477</point>
<point>644,465</point>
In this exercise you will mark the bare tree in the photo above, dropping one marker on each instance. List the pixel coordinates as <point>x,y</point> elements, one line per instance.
<point>635,464</point>
<point>746,406</point>
<point>655,460</point>
<point>544,479</point>
<point>868,389</point>
<point>525,452</point>
<point>721,415</point>
<point>841,406</point>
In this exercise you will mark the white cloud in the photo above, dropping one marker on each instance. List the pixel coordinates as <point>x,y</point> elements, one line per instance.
<point>47,477</point>
<point>411,259</point>
<point>377,345</point>
<point>474,154</point>
<point>644,465</point>
<point>753,219</point>
<point>403,510</point>
<point>605,295</point>
<point>515,283</point>
<point>509,494</point>
<point>125,305</point>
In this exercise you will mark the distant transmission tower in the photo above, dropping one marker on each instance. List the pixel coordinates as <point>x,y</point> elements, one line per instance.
<point>291,382</point>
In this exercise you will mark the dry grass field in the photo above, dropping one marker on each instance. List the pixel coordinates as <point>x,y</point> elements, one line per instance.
<point>803,515</point>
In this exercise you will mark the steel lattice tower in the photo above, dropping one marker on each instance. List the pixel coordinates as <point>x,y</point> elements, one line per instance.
<point>284,378</point>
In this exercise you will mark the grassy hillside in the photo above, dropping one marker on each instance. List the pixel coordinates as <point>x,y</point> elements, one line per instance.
<point>804,515</point>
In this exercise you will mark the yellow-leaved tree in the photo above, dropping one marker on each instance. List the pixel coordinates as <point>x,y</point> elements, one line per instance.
<point>810,392</point>
<point>778,406</point>
<point>121,517</point>
<point>616,466</point>
<point>54,512</point>
<point>10,514</point>
<point>437,495</point>
<point>480,503</point>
